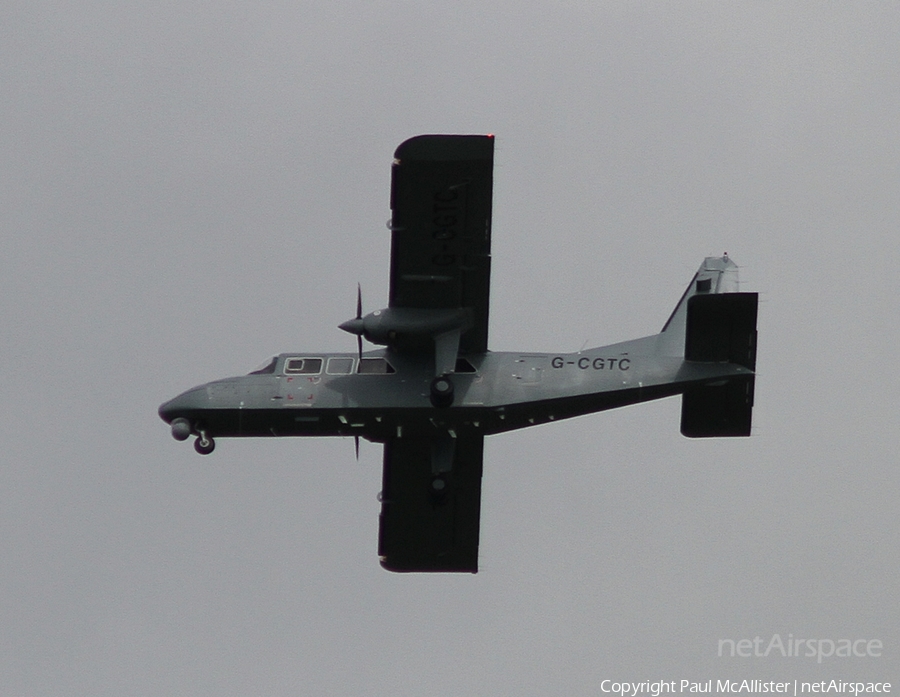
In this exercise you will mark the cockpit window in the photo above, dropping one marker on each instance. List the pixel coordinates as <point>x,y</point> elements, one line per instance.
<point>303,366</point>
<point>267,367</point>
<point>374,366</point>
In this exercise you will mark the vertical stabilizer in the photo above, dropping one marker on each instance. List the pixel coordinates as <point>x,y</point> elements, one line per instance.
<point>715,275</point>
<point>715,323</point>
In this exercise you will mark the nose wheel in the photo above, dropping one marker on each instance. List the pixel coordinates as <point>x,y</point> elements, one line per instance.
<point>442,391</point>
<point>204,444</point>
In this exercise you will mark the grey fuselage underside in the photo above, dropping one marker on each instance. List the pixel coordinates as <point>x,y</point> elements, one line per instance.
<point>507,391</point>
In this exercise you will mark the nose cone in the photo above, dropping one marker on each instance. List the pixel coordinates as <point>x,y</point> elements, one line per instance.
<point>353,326</point>
<point>183,405</point>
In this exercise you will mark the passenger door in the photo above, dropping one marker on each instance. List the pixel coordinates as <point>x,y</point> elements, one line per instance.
<point>300,381</point>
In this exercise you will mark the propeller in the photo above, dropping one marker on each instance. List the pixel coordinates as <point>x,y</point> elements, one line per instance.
<point>358,349</point>
<point>355,325</point>
<point>358,338</point>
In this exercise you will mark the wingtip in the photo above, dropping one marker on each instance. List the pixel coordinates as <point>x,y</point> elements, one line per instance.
<point>446,147</point>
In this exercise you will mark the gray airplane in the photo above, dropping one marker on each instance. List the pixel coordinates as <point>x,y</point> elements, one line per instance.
<point>434,391</point>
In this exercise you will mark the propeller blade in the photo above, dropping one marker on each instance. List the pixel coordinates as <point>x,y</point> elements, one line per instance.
<point>356,443</point>
<point>358,338</point>
<point>355,325</point>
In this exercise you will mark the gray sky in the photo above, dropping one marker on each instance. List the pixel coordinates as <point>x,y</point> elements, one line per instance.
<point>187,188</point>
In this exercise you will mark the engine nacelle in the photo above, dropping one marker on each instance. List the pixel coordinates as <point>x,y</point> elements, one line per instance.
<point>386,327</point>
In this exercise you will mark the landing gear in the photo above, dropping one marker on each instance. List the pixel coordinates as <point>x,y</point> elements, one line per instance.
<point>442,391</point>
<point>204,444</point>
<point>440,487</point>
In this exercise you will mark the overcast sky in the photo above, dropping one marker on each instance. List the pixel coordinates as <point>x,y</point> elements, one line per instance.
<point>187,188</point>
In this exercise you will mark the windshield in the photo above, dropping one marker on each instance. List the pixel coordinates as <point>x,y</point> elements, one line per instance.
<point>267,367</point>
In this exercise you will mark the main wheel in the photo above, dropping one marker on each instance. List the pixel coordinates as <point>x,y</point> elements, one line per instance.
<point>442,391</point>
<point>439,489</point>
<point>204,444</point>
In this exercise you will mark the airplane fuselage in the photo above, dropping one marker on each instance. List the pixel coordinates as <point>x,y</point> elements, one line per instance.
<point>319,394</point>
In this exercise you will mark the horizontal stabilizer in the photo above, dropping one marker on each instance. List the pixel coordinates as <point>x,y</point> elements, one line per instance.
<point>718,411</point>
<point>721,328</point>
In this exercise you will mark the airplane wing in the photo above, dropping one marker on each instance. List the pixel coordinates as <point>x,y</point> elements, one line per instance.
<point>421,529</point>
<point>441,228</point>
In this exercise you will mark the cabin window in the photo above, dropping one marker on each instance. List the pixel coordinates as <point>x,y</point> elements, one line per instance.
<point>303,366</point>
<point>339,366</point>
<point>265,368</point>
<point>374,366</point>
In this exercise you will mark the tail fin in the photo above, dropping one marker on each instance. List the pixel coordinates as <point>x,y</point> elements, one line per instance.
<point>716,275</point>
<point>714,323</point>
